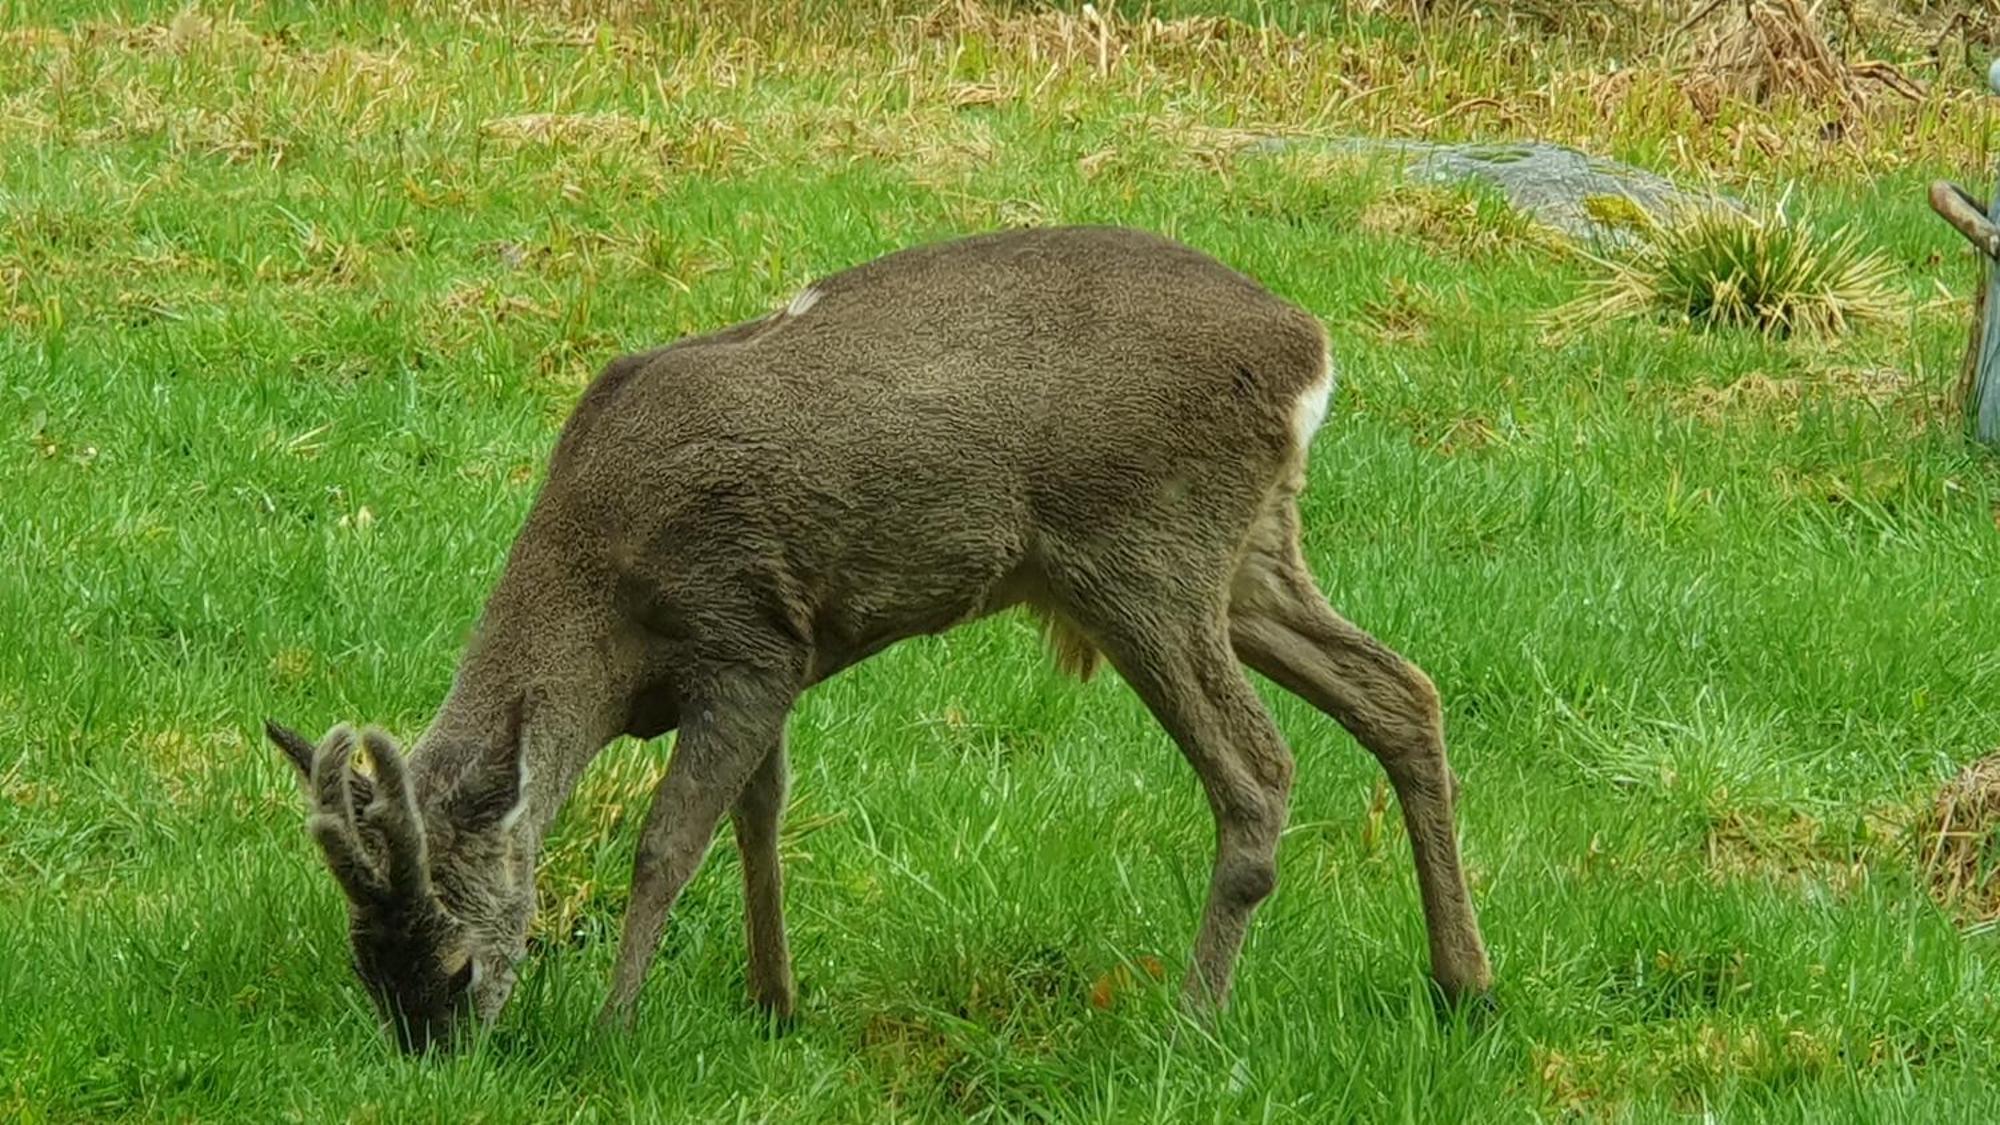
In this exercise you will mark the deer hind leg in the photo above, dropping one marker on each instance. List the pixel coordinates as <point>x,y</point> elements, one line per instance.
<point>733,726</point>
<point>757,816</point>
<point>1281,625</point>
<point>1182,668</point>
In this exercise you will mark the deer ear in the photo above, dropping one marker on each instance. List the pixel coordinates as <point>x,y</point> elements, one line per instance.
<point>297,750</point>
<point>496,794</point>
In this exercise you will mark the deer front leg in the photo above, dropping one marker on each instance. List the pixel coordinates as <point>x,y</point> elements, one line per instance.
<point>757,818</point>
<point>729,732</point>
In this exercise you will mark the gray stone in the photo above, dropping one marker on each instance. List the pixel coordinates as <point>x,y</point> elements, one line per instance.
<point>1573,192</point>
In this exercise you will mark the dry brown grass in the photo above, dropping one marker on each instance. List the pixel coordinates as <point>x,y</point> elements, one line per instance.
<point>1675,1061</point>
<point>1875,484</point>
<point>930,1052</point>
<point>1782,399</point>
<point>1457,221</point>
<point>921,87</point>
<point>1790,847</point>
<point>566,128</point>
<point>1957,839</point>
<point>22,791</point>
<point>187,766</point>
<point>189,31</point>
<point>1766,50</point>
<point>1404,313</point>
<point>1457,436</point>
<point>482,299</point>
<point>1102,40</point>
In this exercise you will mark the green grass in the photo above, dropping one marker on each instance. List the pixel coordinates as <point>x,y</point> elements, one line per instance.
<point>291,305</point>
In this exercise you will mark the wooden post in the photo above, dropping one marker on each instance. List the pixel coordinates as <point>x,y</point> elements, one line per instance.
<point>1980,224</point>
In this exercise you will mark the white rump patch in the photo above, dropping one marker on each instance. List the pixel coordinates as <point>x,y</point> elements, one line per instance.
<point>1311,408</point>
<point>805,300</point>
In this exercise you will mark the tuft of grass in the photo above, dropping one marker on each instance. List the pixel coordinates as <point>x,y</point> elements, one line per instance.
<point>1717,268</point>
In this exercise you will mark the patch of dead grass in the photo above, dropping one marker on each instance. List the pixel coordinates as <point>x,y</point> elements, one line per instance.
<point>1456,221</point>
<point>1753,394</point>
<point>1102,40</point>
<point>1403,313</point>
<point>938,148</point>
<point>355,68</point>
<point>1790,847</point>
<point>1876,484</point>
<point>1684,1061</point>
<point>1765,50</point>
<point>326,259</point>
<point>707,144</point>
<point>913,84</point>
<point>1957,842</point>
<point>185,763</point>
<point>191,30</point>
<point>24,792</point>
<point>1470,434</point>
<point>1783,400</point>
<point>566,128</point>
<point>242,133</point>
<point>485,300</point>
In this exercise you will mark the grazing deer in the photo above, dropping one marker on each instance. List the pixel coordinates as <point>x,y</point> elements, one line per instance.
<point>1100,425</point>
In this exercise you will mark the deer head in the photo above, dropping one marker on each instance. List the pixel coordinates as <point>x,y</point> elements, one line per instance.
<point>439,886</point>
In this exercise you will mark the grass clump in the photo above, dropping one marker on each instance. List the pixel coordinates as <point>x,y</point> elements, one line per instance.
<point>1958,843</point>
<point>1717,268</point>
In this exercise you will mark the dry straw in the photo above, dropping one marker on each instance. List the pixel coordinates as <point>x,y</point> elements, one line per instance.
<point>1765,50</point>
<point>1958,842</point>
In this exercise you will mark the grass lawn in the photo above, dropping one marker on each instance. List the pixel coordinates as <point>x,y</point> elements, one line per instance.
<point>293,298</point>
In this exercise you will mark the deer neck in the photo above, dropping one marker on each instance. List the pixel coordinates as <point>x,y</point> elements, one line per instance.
<point>499,706</point>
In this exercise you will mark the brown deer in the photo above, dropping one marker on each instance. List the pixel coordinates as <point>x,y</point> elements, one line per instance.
<point>1100,425</point>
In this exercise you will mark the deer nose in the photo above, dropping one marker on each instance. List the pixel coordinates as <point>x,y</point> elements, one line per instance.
<point>422,1035</point>
<point>423,1039</point>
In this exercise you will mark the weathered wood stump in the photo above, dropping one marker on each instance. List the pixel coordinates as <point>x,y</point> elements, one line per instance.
<point>1980,224</point>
